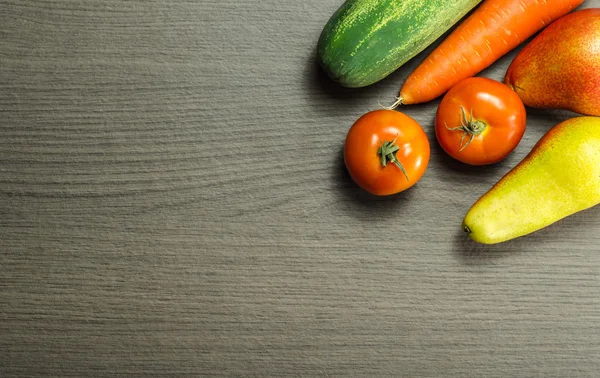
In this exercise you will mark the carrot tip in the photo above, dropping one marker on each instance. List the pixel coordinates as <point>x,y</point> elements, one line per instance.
<point>394,105</point>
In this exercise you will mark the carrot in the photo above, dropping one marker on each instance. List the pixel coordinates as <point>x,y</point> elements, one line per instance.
<point>492,30</point>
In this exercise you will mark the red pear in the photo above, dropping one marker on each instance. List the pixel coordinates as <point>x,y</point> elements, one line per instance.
<point>560,68</point>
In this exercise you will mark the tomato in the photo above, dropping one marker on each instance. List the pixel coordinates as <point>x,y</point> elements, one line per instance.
<point>480,121</point>
<point>386,152</point>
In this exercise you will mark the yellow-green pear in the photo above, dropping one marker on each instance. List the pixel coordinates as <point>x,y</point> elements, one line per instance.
<point>559,177</point>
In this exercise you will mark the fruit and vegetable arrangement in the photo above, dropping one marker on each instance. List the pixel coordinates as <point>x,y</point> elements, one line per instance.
<point>479,121</point>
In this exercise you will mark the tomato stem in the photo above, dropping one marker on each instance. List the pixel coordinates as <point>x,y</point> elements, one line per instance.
<point>470,127</point>
<point>387,151</point>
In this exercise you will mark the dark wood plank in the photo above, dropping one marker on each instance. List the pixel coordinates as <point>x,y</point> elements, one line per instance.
<point>173,202</point>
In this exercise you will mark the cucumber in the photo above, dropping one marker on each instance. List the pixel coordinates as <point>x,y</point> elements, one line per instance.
<point>366,40</point>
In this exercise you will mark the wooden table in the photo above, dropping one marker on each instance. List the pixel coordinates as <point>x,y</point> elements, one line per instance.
<point>173,202</point>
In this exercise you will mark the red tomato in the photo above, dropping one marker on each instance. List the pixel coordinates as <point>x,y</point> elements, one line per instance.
<point>386,152</point>
<point>480,121</point>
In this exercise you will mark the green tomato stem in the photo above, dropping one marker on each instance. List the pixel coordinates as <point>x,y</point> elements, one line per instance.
<point>387,152</point>
<point>469,127</point>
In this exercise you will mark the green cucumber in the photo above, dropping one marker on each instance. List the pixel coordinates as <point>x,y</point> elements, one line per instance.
<point>366,40</point>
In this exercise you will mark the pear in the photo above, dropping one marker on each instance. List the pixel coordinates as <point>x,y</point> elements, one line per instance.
<point>559,177</point>
<point>560,67</point>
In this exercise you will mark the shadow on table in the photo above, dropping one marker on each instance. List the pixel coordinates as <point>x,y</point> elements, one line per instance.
<point>449,164</point>
<point>329,97</point>
<point>349,191</point>
<point>473,253</point>
<point>359,202</point>
<point>470,252</point>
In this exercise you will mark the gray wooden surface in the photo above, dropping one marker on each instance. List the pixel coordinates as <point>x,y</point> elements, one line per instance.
<point>173,202</point>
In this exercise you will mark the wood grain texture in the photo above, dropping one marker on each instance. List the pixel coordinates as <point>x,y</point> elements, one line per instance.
<point>173,203</point>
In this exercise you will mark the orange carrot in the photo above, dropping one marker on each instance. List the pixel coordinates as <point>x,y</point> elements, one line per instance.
<point>492,30</point>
